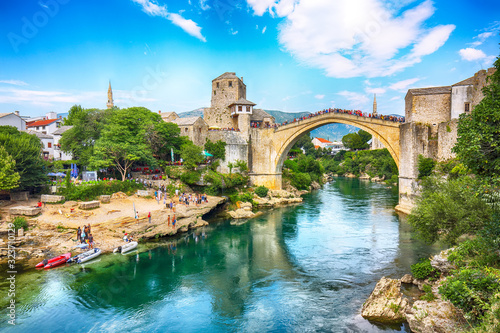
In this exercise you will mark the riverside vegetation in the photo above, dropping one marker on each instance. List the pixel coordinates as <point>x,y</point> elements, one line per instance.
<point>460,205</point>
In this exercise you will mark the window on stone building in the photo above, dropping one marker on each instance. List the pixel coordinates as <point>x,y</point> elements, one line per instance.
<point>230,84</point>
<point>240,108</point>
<point>214,92</point>
<point>248,109</point>
<point>186,130</point>
<point>199,129</point>
<point>467,107</point>
<point>49,145</point>
<point>217,84</point>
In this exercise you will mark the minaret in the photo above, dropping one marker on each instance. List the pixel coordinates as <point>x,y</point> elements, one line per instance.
<point>110,97</point>
<point>374,105</point>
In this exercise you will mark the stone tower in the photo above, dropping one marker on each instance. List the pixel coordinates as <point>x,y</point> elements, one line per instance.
<point>226,89</point>
<point>374,105</point>
<point>110,97</point>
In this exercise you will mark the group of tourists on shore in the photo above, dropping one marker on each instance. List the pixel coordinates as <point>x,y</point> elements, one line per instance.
<point>84,236</point>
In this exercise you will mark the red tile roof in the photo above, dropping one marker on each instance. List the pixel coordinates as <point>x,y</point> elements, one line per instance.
<point>41,122</point>
<point>323,140</point>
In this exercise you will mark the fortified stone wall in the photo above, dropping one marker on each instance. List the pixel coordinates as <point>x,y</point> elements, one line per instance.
<point>428,109</point>
<point>236,147</point>
<point>479,82</point>
<point>447,138</point>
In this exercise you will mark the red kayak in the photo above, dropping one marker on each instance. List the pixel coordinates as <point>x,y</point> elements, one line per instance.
<point>53,262</point>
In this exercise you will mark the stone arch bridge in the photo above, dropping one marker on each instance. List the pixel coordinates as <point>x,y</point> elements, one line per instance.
<point>268,148</point>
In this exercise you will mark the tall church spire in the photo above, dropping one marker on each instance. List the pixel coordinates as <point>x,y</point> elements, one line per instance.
<point>110,97</point>
<point>374,104</point>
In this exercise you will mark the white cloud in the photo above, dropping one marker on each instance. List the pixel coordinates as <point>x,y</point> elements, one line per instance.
<point>357,100</point>
<point>233,32</point>
<point>264,30</point>
<point>481,38</point>
<point>403,85</point>
<point>357,37</point>
<point>151,8</point>
<point>395,98</point>
<point>319,96</point>
<point>204,5</point>
<point>275,7</point>
<point>375,90</point>
<point>14,82</point>
<point>471,54</point>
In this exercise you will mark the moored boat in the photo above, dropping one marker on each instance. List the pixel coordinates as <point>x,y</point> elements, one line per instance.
<point>89,255</point>
<point>58,260</point>
<point>44,262</point>
<point>125,248</point>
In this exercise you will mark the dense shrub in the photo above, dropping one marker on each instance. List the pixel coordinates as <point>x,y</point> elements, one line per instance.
<point>300,181</point>
<point>472,290</point>
<point>20,222</point>
<point>246,197</point>
<point>191,177</point>
<point>425,166</point>
<point>261,191</point>
<point>91,190</point>
<point>423,269</point>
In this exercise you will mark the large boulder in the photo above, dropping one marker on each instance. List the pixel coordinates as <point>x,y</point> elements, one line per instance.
<point>436,316</point>
<point>386,303</point>
<point>241,214</point>
<point>441,263</point>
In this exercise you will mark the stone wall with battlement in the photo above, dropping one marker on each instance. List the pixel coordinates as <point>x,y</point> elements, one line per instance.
<point>428,109</point>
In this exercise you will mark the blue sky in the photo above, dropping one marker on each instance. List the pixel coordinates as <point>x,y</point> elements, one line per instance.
<point>294,55</point>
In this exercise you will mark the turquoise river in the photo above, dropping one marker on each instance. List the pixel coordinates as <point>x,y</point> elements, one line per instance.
<point>302,268</point>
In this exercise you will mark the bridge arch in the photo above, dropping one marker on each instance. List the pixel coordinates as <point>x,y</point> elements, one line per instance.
<point>270,146</point>
<point>290,141</point>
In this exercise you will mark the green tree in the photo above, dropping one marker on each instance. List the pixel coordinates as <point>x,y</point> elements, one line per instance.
<point>448,209</point>
<point>242,166</point>
<point>218,149</point>
<point>356,141</point>
<point>191,155</point>
<point>305,142</point>
<point>478,142</point>
<point>9,178</point>
<point>87,127</point>
<point>25,150</point>
<point>425,166</point>
<point>162,137</point>
<point>123,141</point>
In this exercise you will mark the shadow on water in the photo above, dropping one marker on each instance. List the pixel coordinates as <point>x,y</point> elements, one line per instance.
<point>308,267</point>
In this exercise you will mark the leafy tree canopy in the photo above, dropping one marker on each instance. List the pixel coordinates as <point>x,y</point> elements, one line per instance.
<point>9,178</point>
<point>191,155</point>
<point>356,141</point>
<point>25,149</point>
<point>478,143</point>
<point>218,149</point>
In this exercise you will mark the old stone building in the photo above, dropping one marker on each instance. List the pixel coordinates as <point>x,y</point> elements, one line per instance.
<point>195,128</point>
<point>431,125</point>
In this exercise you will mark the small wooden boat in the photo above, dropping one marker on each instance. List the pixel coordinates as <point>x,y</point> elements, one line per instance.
<point>58,261</point>
<point>125,248</point>
<point>89,255</point>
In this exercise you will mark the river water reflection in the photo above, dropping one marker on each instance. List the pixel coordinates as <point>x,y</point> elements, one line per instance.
<point>304,268</point>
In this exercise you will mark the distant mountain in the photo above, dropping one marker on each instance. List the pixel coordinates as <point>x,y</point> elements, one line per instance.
<point>194,113</point>
<point>332,132</point>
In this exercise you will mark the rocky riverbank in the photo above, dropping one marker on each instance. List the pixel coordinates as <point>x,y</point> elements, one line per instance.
<point>273,199</point>
<point>54,230</point>
<point>389,304</point>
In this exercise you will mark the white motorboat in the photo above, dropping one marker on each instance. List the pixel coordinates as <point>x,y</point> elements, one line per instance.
<point>125,247</point>
<point>89,255</point>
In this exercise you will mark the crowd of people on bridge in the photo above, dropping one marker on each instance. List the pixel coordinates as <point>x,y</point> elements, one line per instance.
<point>398,119</point>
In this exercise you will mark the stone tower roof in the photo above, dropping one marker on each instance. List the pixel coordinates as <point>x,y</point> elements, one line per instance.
<point>466,82</point>
<point>242,101</point>
<point>259,115</point>
<point>227,75</point>
<point>186,121</point>
<point>430,91</point>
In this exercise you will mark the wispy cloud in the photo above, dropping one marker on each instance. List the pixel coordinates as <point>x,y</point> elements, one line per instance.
<point>355,38</point>
<point>264,30</point>
<point>403,85</point>
<point>375,90</point>
<point>319,96</point>
<point>356,100</point>
<point>14,82</point>
<point>151,8</point>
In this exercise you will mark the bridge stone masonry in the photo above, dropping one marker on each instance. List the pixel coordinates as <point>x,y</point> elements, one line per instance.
<point>269,147</point>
